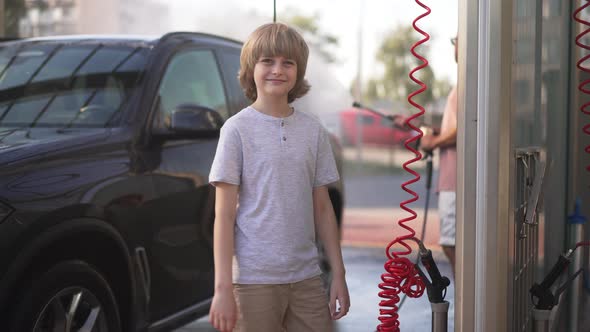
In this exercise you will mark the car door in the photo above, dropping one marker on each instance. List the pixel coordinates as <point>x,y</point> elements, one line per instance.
<point>181,248</point>
<point>230,66</point>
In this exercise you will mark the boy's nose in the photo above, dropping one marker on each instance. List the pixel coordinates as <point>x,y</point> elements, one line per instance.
<point>276,69</point>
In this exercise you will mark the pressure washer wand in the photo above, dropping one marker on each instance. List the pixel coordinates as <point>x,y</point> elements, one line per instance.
<point>546,298</point>
<point>356,104</point>
<point>436,288</point>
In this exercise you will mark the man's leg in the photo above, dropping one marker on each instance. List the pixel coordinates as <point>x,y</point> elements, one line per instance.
<point>450,253</point>
<point>447,213</point>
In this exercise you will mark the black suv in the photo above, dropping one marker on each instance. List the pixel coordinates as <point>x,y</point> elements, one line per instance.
<point>105,208</point>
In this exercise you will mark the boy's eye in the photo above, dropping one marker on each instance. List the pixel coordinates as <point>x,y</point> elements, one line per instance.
<point>290,63</point>
<point>266,60</point>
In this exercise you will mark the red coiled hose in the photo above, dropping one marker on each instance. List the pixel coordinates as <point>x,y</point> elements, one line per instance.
<point>580,64</point>
<point>401,274</point>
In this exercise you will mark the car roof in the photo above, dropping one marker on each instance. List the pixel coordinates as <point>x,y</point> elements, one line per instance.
<point>131,39</point>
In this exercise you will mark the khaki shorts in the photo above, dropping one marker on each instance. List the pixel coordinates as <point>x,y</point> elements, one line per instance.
<point>296,307</point>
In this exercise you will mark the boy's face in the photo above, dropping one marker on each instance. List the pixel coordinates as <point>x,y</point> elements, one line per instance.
<point>275,76</point>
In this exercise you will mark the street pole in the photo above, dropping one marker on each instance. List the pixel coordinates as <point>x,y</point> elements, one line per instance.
<point>359,86</point>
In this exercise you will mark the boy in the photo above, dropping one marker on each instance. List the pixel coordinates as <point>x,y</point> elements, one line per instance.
<point>275,162</point>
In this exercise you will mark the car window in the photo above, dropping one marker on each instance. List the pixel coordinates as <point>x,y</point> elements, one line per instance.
<point>367,120</point>
<point>63,63</point>
<point>231,67</point>
<point>386,122</point>
<point>192,77</point>
<point>20,66</point>
<point>67,85</point>
<point>25,110</point>
<point>105,59</point>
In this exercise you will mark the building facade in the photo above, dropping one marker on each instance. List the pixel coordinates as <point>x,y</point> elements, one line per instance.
<point>62,17</point>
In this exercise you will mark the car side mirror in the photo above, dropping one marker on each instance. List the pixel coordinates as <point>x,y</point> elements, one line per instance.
<point>194,121</point>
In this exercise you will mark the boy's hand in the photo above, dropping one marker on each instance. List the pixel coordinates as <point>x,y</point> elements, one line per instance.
<point>339,291</point>
<point>224,313</point>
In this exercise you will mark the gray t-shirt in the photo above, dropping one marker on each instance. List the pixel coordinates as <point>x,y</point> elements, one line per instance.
<point>276,162</point>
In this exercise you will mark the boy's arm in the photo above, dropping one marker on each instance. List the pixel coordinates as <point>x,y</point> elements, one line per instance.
<point>223,314</point>
<point>327,229</point>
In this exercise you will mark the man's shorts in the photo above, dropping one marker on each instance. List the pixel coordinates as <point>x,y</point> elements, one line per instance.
<point>446,211</point>
<point>296,307</point>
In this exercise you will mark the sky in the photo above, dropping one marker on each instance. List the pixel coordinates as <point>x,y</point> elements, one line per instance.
<point>237,18</point>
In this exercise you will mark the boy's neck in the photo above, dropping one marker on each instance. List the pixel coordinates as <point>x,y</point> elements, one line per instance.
<point>276,108</point>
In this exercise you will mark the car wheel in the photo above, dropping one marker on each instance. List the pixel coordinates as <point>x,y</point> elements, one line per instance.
<point>71,296</point>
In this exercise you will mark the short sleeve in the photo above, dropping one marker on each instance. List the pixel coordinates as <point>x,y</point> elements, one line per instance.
<point>227,164</point>
<point>325,170</point>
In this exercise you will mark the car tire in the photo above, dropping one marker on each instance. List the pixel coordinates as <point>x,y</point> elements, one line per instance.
<point>70,286</point>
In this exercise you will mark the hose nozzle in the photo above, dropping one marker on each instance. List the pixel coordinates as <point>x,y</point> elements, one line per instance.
<point>436,286</point>
<point>546,299</point>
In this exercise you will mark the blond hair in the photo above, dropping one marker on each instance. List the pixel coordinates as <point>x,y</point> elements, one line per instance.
<point>273,39</point>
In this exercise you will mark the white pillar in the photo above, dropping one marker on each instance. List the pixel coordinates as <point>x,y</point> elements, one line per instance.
<point>484,158</point>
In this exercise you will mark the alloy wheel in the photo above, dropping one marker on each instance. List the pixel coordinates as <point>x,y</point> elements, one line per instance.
<point>73,309</point>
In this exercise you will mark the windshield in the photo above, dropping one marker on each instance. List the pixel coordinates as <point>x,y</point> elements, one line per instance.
<point>67,85</point>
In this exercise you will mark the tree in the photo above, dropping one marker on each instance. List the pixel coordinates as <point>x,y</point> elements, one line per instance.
<point>321,42</point>
<point>398,61</point>
<point>14,10</point>
<point>441,88</point>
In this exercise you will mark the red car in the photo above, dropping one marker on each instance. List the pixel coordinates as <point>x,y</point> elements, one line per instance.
<point>376,129</point>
